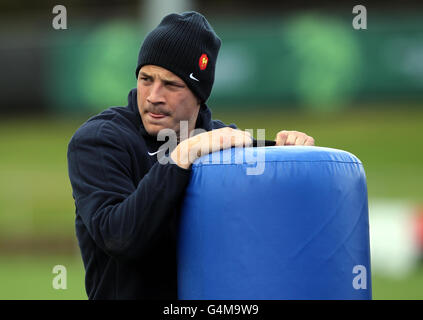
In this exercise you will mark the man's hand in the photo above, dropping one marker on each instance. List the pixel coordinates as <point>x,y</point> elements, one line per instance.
<point>193,148</point>
<point>293,138</point>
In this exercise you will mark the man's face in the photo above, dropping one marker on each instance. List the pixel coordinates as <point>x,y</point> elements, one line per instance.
<point>164,100</point>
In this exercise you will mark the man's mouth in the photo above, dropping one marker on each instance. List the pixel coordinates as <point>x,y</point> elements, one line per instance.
<point>157,115</point>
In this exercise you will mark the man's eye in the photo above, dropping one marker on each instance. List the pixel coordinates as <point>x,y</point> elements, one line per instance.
<point>175,85</point>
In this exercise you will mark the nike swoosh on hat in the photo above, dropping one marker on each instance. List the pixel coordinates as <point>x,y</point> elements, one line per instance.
<point>192,77</point>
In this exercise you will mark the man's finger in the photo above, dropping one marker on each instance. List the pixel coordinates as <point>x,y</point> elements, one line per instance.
<point>309,141</point>
<point>242,139</point>
<point>281,138</point>
<point>248,139</point>
<point>290,141</point>
<point>300,140</point>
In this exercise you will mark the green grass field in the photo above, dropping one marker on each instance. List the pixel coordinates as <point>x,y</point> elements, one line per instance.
<point>37,210</point>
<point>30,277</point>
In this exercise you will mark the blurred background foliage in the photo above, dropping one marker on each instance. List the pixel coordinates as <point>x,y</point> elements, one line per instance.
<point>282,65</point>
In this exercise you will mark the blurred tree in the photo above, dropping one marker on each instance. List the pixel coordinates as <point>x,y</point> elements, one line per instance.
<point>327,60</point>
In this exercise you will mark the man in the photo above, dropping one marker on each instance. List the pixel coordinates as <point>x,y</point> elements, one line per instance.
<point>126,200</point>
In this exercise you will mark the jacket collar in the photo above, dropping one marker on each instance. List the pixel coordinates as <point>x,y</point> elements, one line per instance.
<point>204,120</point>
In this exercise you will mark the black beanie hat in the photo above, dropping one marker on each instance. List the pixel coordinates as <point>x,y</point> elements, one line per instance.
<point>186,45</point>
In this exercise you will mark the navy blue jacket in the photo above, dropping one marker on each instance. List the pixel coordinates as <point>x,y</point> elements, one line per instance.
<point>127,205</point>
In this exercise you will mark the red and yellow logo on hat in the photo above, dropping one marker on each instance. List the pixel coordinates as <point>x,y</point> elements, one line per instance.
<point>203,61</point>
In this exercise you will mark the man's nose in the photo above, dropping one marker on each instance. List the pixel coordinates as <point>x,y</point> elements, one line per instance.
<point>156,94</point>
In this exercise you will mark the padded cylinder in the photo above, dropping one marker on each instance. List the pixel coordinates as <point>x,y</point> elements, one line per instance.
<point>275,223</point>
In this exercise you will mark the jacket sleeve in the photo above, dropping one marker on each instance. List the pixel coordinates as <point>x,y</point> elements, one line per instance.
<point>217,124</point>
<point>122,218</point>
